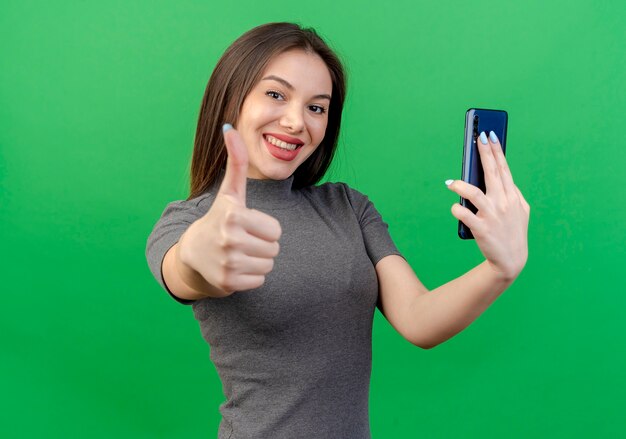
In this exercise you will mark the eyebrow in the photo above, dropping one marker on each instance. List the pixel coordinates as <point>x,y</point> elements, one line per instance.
<point>291,87</point>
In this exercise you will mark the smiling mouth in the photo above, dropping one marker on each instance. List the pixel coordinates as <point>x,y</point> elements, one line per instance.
<point>282,144</point>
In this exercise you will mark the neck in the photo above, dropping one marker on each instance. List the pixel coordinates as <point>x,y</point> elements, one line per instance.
<point>268,194</point>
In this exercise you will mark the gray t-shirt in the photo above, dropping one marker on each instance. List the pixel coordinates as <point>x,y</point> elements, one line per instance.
<point>294,355</point>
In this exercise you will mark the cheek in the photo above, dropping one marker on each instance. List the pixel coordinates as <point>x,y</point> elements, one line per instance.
<point>318,130</point>
<point>257,117</point>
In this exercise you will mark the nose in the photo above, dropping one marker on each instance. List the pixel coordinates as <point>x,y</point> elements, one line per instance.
<point>293,119</point>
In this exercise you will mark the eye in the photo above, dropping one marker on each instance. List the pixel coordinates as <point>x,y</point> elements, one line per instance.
<point>274,95</point>
<point>317,109</point>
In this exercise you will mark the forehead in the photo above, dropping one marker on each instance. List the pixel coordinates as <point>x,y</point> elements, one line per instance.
<point>304,70</point>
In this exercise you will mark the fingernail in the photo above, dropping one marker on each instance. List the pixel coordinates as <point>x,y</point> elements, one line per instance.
<point>226,127</point>
<point>483,138</point>
<point>449,182</point>
<point>493,137</point>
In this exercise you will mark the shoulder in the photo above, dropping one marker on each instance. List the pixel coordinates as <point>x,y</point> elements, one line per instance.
<point>196,206</point>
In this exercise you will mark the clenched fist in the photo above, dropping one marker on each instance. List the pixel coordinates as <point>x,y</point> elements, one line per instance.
<point>232,247</point>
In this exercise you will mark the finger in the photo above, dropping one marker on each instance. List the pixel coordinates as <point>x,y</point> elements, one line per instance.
<point>252,265</point>
<point>503,167</point>
<point>247,282</point>
<point>471,193</point>
<point>493,182</point>
<point>260,248</point>
<point>234,183</point>
<point>465,215</point>
<point>261,225</point>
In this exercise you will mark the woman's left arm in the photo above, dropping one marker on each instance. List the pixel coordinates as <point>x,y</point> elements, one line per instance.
<point>500,227</point>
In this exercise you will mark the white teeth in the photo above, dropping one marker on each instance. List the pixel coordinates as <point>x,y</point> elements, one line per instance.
<point>284,145</point>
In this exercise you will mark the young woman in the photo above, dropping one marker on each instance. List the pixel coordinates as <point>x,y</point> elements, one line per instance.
<point>284,276</point>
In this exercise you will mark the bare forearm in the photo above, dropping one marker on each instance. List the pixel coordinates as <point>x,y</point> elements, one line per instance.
<point>445,311</point>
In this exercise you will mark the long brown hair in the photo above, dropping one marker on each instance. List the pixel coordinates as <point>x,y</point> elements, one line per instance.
<point>236,73</point>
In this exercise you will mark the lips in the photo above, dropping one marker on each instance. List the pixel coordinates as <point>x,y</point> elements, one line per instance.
<point>282,153</point>
<point>285,138</point>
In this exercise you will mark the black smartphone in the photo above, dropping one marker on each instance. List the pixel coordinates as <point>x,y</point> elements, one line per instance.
<point>478,120</point>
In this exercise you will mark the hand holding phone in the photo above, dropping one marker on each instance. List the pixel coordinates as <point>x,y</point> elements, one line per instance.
<point>477,121</point>
<point>492,208</point>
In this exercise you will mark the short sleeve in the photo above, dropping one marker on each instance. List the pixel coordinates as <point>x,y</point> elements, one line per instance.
<point>378,242</point>
<point>174,221</point>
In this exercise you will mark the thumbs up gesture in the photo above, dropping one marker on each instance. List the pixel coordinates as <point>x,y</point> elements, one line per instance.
<point>232,247</point>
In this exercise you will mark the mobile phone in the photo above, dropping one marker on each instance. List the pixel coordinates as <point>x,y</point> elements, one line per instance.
<point>478,120</point>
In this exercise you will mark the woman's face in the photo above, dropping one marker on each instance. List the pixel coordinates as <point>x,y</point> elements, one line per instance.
<point>283,119</point>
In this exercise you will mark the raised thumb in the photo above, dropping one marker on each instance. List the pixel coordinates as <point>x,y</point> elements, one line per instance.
<point>234,183</point>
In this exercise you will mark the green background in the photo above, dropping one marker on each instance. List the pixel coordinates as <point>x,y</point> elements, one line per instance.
<point>98,106</point>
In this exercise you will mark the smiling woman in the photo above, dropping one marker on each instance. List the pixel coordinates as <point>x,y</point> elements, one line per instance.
<point>284,275</point>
